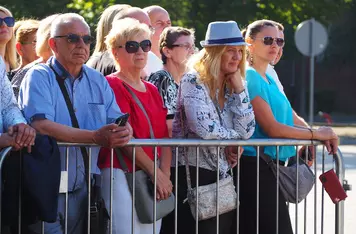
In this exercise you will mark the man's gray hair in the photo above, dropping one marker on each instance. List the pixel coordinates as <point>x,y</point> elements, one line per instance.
<point>64,19</point>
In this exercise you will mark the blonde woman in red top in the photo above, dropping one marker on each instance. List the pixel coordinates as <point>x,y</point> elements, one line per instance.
<point>129,44</point>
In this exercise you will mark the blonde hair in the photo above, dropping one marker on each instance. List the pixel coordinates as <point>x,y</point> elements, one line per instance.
<point>208,63</point>
<point>105,25</point>
<point>124,30</point>
<point>26,28</point>
<point>43,35</point>
<point>10,51</point>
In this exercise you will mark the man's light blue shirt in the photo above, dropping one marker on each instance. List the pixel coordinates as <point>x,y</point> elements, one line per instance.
<point>93,101</point>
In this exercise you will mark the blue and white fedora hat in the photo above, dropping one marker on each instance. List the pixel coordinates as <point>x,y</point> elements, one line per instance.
<point>223,33</point>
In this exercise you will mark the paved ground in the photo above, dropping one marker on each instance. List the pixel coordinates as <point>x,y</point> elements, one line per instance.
<point>327,225</point>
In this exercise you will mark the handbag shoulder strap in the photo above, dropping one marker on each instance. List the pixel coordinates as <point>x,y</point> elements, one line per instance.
<point>264,156</point>
<point>73,118</point>
<point>187,171</point>
<point>118,152</point>
<point>139,103</point>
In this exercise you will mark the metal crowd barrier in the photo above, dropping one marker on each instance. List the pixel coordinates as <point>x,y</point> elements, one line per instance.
<point>337,163</point>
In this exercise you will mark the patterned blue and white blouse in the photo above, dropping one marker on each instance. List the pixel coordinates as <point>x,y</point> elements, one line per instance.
<point>201,120</point>
<point>10,112</point>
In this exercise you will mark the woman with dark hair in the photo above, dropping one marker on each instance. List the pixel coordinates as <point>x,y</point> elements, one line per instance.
<point>274,119</point>
<point>176,46</point>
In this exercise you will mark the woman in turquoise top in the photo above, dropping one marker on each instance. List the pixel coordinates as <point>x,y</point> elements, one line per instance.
<point>274,119</point>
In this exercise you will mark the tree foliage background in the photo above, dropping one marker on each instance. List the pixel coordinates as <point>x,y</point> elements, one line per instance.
<point>339,16</point>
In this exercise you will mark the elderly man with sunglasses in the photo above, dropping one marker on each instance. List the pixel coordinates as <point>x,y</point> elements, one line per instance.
<point>63,95</point>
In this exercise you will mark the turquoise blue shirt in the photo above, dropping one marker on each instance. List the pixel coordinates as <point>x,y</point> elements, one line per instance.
<point>281,109</point>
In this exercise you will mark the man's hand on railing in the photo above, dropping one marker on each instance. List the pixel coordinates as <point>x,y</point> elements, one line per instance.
<point>232,154</point>
<point>24,136</point>
<point>164,185</point>
<point>112,136</point>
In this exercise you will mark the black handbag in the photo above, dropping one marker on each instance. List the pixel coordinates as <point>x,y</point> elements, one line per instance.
<point>98,213</point>
<point>36,176</point>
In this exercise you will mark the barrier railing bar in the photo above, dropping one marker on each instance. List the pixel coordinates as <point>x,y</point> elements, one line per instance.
<point>111,188</point>
<point>155,192</point>
<point>322,191</point>
<point>238,191</point>
<point>315,192</point>
<point>277,188</point>
<point>297,193</point>
<point>66,194</point>
<point>217,190</point>
<point>200,142</point>
<point>89,188</point>
<point>4,153</point>
<point>197,197</point>
<point>339,207</point>
<point>134,188</point>
<point>176,194</point>
<point>258,192</point>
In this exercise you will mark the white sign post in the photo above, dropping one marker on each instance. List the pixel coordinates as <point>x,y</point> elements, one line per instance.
<point>311,40</point>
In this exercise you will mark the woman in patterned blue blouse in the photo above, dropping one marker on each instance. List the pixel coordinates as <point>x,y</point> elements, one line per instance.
<point>213,103</point>
<point>176,46</point>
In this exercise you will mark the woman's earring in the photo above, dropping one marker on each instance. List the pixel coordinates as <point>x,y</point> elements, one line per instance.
<point>251,60</point>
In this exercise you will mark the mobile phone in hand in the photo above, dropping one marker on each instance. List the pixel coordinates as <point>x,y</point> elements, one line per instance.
<point>121,121</point>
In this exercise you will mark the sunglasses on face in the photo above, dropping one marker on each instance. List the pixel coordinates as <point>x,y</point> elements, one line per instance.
<point>270,40</point>
<point>133,46</point>
<point>74,38</point>
<point>9,21</point>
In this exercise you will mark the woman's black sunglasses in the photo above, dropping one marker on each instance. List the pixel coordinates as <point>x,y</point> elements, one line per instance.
<point>270,40</point>
<point>9,21</point>
<point>74,38</point>
<point>133,46</point>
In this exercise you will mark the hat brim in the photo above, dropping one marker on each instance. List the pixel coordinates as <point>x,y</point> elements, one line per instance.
<point>204,44</point>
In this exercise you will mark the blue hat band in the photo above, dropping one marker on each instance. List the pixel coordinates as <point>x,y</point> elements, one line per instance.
<point>225,41</point>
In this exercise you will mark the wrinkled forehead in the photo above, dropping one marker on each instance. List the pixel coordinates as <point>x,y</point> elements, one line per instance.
<point>73,27</point>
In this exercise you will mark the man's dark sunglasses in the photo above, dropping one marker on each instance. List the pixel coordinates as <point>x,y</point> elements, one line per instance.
<point>133,46</point>
<point>269,41</point>
<point>74,38</point>
<point>9,21</point>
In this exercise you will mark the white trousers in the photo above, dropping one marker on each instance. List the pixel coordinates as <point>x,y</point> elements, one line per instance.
<point>122,205</point>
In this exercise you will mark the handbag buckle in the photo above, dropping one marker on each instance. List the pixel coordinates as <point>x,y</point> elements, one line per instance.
<point>93,209</point>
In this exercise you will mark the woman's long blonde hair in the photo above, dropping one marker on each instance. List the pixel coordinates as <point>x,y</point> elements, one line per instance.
<point>208,63</point>
<point>10,51</point>
<point>105,25</point>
